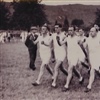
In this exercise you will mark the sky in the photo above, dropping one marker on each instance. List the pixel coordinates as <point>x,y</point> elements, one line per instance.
<point>66,2</point>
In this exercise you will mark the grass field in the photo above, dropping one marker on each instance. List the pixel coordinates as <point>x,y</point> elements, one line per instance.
<point>16,79</point>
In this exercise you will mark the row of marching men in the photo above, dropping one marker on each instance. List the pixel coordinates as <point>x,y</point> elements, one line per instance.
<point>79,50</point>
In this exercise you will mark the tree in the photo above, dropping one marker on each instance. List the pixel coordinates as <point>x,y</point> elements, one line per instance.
<point>77,22</point>
<point>66,24</point>
<point>56,22</point>
<point>97,20</point>
<point>4,15</point>
<point>28,13</point>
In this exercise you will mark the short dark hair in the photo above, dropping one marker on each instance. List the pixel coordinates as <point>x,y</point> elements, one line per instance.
<point>45,25</point>
<point>58,24</point>
<point>33,27</point>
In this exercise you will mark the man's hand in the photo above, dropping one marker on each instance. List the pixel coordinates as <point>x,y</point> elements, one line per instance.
<point>31,38</point>
<point>42,42</point>
<point>35,37</point>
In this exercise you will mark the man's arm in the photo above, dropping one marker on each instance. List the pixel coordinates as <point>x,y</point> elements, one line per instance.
<point>48,43</point>
<point>52,52</point>
<point>36,40</point>
<point>60,43</point>
<point>45,43</point>
<point>87,49</point>
<point>27,41</point>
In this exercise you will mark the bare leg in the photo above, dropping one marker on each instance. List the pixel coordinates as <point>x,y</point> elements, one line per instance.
<point>78,73</point>
<point>41,73</point>
<point>49,69</point>
<point>70,70</point>
<point>56,71</point>
<point>63,69</point>
<point>91,79</point>
<point>81,79</point>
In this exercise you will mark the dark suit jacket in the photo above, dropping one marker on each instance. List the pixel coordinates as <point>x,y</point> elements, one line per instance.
<point>29,42</point>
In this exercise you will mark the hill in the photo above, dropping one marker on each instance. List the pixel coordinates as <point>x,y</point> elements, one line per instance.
<point>72,11</point>
<point>85,12</point>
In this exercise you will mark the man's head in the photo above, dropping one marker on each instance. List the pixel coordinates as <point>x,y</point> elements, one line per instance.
<point>81,32</point>
<point>45,29</point>
<point>97,27</point>
<point>76,28</point>
<point>33,29</point>
<point>71,31</point>
<point>58,28</point>
<point>93,32</point>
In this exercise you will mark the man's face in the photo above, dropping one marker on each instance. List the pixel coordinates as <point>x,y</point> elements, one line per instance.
<point>81,32</point>
<point>93,32</point>
<point>34,29</point>
<point>44,30</point>
<point>57,29</point>
<point>96,26</point>
<point>71,31</point>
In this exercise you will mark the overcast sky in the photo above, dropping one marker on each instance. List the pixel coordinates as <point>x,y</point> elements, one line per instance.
<point>66,2</point>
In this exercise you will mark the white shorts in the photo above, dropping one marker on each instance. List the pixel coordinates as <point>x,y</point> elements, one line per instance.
<point>95,60</point>
<point>74,58</point>
<point>60,55</point>
<point>45,56</point>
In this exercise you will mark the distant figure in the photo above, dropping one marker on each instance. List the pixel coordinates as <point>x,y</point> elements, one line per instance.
<point>3,37</point>
<point>24,35</point>
<point>8,36</point>
<point>32,48</point>
<point>0,36</point>
<point>77,30</point>
<point>97,27</point>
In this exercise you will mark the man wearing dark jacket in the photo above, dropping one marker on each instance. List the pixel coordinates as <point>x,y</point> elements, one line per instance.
<point>32,48</point>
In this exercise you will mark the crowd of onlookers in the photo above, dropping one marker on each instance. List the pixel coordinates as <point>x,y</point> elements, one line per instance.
<point>7,36</point>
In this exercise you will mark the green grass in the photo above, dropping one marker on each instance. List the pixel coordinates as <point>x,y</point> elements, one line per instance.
<point>16,79</point>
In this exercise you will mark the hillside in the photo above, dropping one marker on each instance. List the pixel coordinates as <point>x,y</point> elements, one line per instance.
<point>72,11</point>
<point>87,13</point>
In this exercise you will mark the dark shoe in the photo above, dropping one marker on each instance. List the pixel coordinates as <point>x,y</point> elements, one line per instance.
<point>82,81</point>
<point>87,90</point>
<point>65,89</point>
<point>89,71</point>
<point>35,84</point>
<point>98,73</point>
<point>34,68</point>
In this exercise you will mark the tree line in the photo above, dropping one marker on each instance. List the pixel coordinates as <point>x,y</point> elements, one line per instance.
<point>31,12</point>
